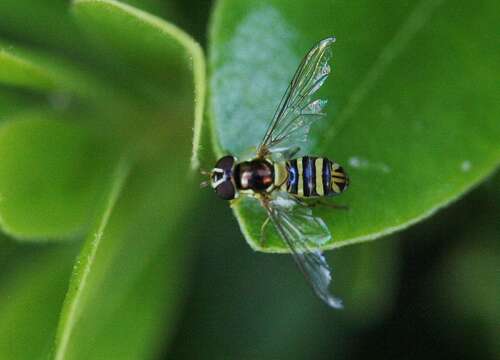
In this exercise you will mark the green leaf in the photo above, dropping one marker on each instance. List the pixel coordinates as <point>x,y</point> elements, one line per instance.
<point>41,22</point>
<point>366,277</point>
<point>156,50</point>
<point>128,278</point>
<point>292,323</point>
<point>467,280</point>
<point>79,282</point>
<point>49,176</point>
<point>28,69</point>
<point>51,25</point>
<point>11,103</point>
<point>412,112</point>
<point>14,70</point>
<point>34,280</point>
<point>156,7</point>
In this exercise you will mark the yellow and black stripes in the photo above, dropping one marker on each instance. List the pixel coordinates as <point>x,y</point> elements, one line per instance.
<point>340,180</point>
<point>292,184</point>
<point>311,176</point>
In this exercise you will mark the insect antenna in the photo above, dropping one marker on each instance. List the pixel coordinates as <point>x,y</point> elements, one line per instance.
<point>205,183</point>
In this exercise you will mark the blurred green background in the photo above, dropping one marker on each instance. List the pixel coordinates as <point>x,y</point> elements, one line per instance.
<point>109,250</point>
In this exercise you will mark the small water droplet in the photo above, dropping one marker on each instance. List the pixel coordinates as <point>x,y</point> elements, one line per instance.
<point>465,166</point>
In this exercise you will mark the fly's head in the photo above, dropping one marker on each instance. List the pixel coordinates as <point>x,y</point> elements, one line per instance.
<point>221,178</point>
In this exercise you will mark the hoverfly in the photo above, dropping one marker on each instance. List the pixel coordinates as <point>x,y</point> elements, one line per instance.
<point>282,182</point>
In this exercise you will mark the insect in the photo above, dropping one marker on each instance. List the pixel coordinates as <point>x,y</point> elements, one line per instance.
<point>282,181</point>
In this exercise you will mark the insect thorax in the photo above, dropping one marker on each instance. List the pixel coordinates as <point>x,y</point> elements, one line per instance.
<point>256,175</point>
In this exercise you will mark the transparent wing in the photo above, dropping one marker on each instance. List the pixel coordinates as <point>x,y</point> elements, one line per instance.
<point>296,110</point>
<point>303,233</point>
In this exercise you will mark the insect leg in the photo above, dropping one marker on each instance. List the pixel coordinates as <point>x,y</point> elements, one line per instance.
<point>320,202</point>
<point>333,206</point>
<point>264,200</point>
<point>262,231</point>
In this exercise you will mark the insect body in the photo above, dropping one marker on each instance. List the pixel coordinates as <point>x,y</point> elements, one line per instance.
<point>311,176</point>
<point>282,182</point>
<point>304,177</point>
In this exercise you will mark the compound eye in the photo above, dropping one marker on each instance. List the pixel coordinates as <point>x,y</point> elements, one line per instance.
<point>225,163</point>
<point>225,190</point>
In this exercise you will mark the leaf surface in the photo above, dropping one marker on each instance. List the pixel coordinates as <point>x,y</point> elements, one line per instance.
<point>412,114</point>
<point>49,176</point>
<point>156,50</point>
<point>35,71</point>
<point>128,279</point>
<point>33,282</point>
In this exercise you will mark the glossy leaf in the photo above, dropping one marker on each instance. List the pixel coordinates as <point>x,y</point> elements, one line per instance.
<point>412,114</point>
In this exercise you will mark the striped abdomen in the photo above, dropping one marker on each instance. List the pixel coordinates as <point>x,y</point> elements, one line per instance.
<point>311,176</point>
